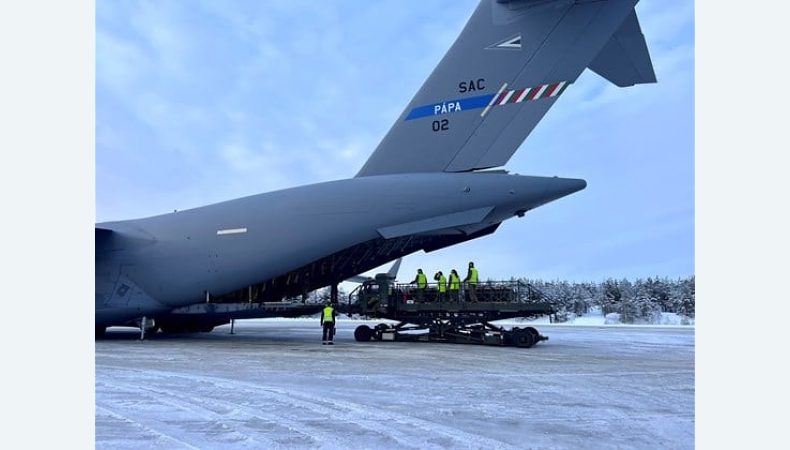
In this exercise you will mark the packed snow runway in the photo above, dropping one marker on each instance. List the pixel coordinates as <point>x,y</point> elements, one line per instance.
<point>273,385</point>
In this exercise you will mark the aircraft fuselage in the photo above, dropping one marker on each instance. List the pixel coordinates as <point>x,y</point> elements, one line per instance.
<point>150,266</point>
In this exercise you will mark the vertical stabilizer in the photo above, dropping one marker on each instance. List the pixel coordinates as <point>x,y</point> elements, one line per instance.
<point>506,69</point>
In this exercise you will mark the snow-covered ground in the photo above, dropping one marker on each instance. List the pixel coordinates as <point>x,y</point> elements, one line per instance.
<point>595,317</point>
<point>273,385</point>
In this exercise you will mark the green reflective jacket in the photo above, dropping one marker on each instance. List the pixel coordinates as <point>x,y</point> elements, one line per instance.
<point>473,275</point>
<point>455,282</point>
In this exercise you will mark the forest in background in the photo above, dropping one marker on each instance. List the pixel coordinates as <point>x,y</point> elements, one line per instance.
<point>642,300</point>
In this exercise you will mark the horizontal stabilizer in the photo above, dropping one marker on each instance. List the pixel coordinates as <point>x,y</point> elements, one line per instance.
<point>469,217</point>
<point>625,60</point>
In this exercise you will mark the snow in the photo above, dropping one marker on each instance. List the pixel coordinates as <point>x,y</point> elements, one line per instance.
<point>595,317</point>
<point>273,385</point>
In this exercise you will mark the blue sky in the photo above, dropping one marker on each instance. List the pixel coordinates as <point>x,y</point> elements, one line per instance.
<point>199,102</point>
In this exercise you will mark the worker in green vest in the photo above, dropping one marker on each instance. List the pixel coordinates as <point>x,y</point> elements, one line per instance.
<point>441,287</point>
<point>454,285</point>
<point>328,322</point>
<point>421,280</point>
<point>471,282</point>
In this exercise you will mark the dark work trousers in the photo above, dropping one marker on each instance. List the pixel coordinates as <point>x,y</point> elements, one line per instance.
<point>472,292</point>
<point>329,331</point>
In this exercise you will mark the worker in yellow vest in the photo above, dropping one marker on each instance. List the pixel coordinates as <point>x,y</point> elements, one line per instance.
<point>454,285</point>
<point>422,282</point>
<point>441,288</point>
<point>328,322</point>
<point>471,282</point>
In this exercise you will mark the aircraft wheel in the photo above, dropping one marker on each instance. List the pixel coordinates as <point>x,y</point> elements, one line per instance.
<point>363,333</point>
<point>523,338</point>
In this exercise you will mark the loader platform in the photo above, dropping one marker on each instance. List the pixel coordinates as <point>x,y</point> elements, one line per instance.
<point>452,317</point>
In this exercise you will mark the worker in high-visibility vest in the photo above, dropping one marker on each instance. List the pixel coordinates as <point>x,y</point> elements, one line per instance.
<point>421,280</point>
<point>328,322</point>
<point>454,285</point>
<point>441,288</point>
<point>471,282</point>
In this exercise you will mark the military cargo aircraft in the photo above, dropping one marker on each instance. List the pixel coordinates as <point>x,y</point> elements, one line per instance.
<point>508,66</point>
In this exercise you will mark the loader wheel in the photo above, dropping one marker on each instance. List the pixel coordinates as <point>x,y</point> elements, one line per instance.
<point>363,333</point>
<point>535,334</point>
<point>523,338</point>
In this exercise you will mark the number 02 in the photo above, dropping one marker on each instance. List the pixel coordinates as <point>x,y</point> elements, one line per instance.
<point>440,125</point>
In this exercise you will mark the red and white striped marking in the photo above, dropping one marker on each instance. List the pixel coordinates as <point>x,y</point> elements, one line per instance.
<point>504,97</point>
<point>493,99</point>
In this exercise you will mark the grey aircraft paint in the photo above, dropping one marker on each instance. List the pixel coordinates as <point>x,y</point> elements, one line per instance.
<point>517,58</point>
<point>508,66</point>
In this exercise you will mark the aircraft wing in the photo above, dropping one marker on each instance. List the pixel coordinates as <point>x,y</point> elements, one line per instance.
<point>511,62</point>
<point>392,274</point>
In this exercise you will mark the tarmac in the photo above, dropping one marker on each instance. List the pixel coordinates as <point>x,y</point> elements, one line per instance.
<point>272,384</point>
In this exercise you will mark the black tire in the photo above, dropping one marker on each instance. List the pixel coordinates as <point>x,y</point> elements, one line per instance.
<point>535,334</point>
<point>523,338</point>
<point>363,333</point>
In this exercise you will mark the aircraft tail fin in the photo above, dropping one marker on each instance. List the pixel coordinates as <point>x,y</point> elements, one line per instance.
<point>625,60</point>
<point>508,66</point>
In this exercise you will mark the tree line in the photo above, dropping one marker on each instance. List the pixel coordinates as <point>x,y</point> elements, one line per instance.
<point>635,301</point>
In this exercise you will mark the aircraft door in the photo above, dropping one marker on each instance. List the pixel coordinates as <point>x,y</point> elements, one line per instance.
<point>126,294</point>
